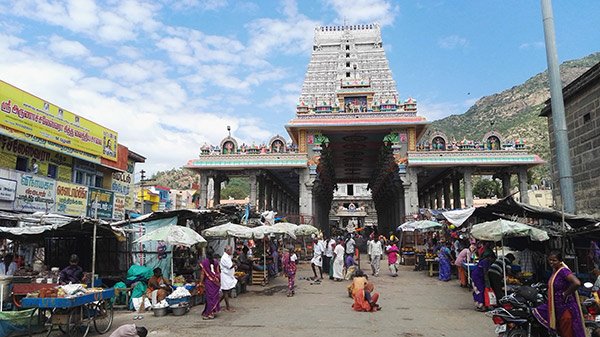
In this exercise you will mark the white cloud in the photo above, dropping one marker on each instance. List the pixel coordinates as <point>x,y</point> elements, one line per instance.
<point>291,35</point>
<point>208,5</point>
<point>433,110</point>
<point>365,11</point>
<point>452,42</point>
<point>532,45</point>
<point>61,47</point>
<point>109,23</point>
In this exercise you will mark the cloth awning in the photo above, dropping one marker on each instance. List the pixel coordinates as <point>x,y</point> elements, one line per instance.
<point>459,216</point>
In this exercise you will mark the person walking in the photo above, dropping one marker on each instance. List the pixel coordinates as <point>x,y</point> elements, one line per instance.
<point>327,255</point>
<point>350,245</point>
<point>338,261</point>
<point>376,252</point>
<point>329,252</point>
<point>393,253</point>
<point>445,258</point>
<point>289,268</point>
<point>210,278</point>
<point>317,261</point>
<point>228,280</point>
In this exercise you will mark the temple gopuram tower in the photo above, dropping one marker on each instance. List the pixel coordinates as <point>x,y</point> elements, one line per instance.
<point>352,132</point>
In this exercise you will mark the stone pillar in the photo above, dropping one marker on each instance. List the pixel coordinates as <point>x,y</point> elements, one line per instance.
<point>261,193</point>
<point>438,196</point>
<point>268,195</point>
<point>203,182</point>
<point>411,193</point>
<point>217,180</point>
<point>446,186</point>
<point>456,192</point>
<point>432,198</point>
<point>253,188</point>
<point>305,198</point>
<point>468,179</point>
<point>505,184</point>
<point>523,186</point>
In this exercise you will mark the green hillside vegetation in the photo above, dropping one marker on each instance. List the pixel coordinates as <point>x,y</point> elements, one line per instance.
<point>514,113</point>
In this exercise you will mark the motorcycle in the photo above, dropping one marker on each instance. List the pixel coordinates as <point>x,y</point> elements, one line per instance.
<point>514,317</point>
<point>591,308</point>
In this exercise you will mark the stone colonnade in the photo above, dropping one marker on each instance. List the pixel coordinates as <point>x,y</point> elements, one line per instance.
<point>266,192</point>
<point>446,192</point>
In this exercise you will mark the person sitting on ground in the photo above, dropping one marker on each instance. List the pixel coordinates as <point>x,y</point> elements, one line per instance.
<point>72,273</point>
<point>130,330</point>
<point>365,299</point>
<point>158,287</point>
<point>358,282</point>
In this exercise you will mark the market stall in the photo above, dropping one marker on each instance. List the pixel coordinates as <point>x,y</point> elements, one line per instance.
<point>70,309</point>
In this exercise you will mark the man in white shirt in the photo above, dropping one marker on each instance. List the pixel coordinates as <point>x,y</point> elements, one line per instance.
<point>7,266</point>
<point>328,258</point>
<point>376,252</point>
<point>228,280</point>
<point>317,260</point>
<point>350,245</point>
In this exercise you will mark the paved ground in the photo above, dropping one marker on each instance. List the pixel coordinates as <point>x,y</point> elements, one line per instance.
<point>413,305</point>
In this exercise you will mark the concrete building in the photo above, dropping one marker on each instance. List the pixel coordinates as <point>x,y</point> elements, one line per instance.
<point>54,161</point>
<point>582,109</point>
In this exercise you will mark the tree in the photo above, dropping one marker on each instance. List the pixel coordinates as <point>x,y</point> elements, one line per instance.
<point>236,188</point>
<point>485,188</point>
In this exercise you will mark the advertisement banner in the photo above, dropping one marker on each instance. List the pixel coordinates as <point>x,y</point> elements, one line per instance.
<point>8,189</point>
<point>35,194</point>
<point>31,115</point>
<point>100,201</point>
<point>71,199</point>
<point>119,208</point>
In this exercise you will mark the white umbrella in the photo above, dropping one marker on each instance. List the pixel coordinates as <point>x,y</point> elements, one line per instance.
<point>306,230</point>
<point>427,225</point>
<point>407,227</point>
<point>176,236</point>
<point>499,229</point>
<point>228,230</point>
<point>260,231</point>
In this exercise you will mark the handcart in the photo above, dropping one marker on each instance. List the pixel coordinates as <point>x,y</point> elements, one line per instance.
<point>73,316</point>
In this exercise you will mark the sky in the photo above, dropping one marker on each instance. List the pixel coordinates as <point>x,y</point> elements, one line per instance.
<point>171,75</point>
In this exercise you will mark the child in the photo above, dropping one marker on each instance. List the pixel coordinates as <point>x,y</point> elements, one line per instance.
<point>289,268</point>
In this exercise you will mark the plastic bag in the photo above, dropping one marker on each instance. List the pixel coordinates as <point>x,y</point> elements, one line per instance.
<point>489,297</point>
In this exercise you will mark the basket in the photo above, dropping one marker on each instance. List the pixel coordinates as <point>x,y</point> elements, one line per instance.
<point>173,301</point>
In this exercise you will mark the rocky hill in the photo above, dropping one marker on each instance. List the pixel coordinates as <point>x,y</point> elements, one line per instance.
<point>514,112</point>
<point>175,178</point>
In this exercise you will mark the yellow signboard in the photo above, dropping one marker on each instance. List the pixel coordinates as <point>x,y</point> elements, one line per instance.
<point>31,115</point>
<point>71,199</point>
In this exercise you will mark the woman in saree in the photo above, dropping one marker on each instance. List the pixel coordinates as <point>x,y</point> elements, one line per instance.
<point>365,299</point>
<point>210,277</point>
<point>562,313</point>
<point>480,279</point>
<point>444,262</point>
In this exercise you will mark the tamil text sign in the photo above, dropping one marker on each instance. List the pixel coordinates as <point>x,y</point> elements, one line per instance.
<point>8,189</point>
<point>71,199</point>
<point>31,115</point>
<point>100,203</point>
<point>35,194</point>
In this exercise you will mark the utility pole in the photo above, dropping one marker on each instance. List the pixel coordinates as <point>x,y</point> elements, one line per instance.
<point>142,178</point>
<point>561,137</point>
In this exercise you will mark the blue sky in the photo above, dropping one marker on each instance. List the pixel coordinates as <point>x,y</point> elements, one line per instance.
<point>170,75</point>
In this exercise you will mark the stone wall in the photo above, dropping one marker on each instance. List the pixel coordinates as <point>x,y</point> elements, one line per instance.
<point>583,125</point>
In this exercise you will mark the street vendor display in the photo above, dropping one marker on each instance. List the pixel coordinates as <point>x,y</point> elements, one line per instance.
<point>71,309</point>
